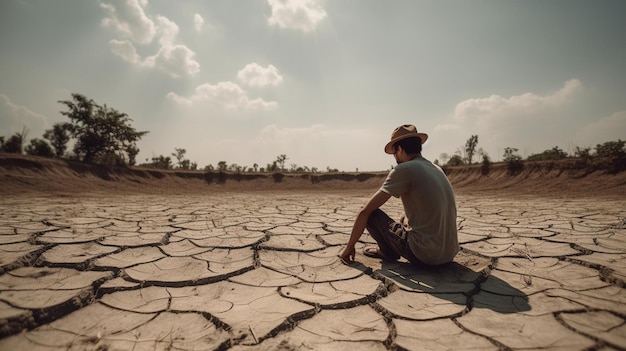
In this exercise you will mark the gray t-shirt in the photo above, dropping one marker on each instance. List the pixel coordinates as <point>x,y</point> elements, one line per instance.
<point>430,208</point>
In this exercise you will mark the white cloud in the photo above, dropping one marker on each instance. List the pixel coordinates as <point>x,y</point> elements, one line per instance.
<point>255,75</point>
<point>167,30</point>
<point>14,117</point>
<point>224,95</point>
<point>531,122</point>
<point>176,60</point>
<point>128,17</point>
<point>496,108</point>
<point>302,15</point>
<point>609,128</point>
<point>126,50</point>
<point>198,22</point>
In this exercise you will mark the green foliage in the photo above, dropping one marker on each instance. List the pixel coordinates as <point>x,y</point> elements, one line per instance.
<point>615,153</point>
<point>455,160</point>
<point>161,162</point>
<point>180,158</point>
<point>111,159</point>
<point>486,164</point>
<point>552,154</point>
<point>280,160</point>
<point>222,166</point>
<point>273,167</point>
<point>15,143</point>
<point>101,133</point>
<point>39,147</point>
<point>58,136</point>
<point>470,147</point>
<point>132,151</point>
<point>513,161</point>
<point>611,149</point>
<point>583,153</point>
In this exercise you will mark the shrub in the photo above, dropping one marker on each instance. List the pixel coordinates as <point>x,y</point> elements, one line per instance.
<point>486,165</point>
<point>513,160</point>
<point>614,151</point>
<point>553,154</point>
<point>455,160</point>
<point>39,147</point>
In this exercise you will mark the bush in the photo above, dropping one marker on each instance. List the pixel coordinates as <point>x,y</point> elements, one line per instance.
<point>553,154</point>
<point>615,153</point>
<point>455,160</point>
<point>486,165</point>
<point>514,164</point>
<point>13,144</point>
<point>39,147</point>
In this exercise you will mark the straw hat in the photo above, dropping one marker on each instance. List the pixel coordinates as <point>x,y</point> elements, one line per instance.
<point>404,132</point>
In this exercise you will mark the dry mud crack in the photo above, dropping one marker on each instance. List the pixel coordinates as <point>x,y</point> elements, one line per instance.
<point>259,271</point>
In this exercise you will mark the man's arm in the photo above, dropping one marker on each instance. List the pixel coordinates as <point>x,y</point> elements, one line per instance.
<point>361,221</point>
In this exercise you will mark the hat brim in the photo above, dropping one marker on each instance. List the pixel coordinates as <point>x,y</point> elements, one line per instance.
<point>389,147</point>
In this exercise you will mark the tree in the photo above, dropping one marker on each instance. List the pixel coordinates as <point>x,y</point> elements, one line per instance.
<point>132,151</point>
<point>614,151</point>
<point>39,147</point>
<point>455,160</point>
<point>221,166</point>
<point>486,164</point>
<point>162,162</point>
<point>513,161</point>
<point>584,153</point>
<point>58,136</point>
<point>180,158</point>
<point>552,154</point>
<point>611,149</point>
<point>280,160</point>
<point>470,147</point>
<point>273,167</point>
<point>15,143</point>
<point>101,132</point>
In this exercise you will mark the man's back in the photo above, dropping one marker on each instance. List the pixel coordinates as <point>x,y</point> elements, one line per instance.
<point>430,207</point>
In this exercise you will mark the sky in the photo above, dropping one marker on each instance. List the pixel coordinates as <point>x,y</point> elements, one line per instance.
<point>323,82</point>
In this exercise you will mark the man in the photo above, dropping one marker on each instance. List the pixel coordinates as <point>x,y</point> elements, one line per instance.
<point>427,234</point>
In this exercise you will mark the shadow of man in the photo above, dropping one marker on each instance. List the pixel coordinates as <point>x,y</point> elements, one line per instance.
<point>455,282</point>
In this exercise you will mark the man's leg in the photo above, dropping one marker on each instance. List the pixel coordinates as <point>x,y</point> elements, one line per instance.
<point>390,236</point>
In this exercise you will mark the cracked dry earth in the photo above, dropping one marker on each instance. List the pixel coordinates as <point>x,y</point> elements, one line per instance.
<point>260,272</point>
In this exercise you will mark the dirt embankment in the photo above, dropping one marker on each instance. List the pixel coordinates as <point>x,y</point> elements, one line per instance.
<point>22,174</point>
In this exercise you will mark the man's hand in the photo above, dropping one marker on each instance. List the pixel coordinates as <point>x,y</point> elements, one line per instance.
<point>347,256</point>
